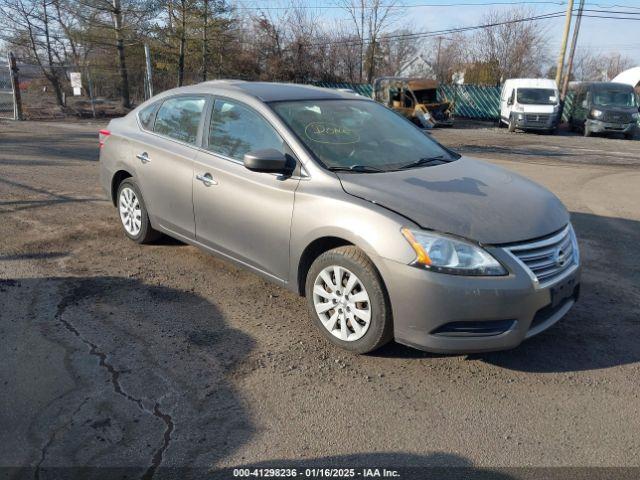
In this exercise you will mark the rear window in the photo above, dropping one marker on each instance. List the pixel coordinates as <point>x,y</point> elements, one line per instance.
<point>179,118</point>
<point>146,116</point>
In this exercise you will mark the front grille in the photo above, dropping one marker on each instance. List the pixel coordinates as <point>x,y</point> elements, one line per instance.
<point>535,119</point>
<point>549,257</point>
<point>617,117</point>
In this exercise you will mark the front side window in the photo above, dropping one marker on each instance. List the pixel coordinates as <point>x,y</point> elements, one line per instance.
<point>537,96</point>
<point>179,118</point>
<point>360,135</point>
<point>236,130</point>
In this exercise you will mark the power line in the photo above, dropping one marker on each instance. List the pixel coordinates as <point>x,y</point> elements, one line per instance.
<point>421,5</point>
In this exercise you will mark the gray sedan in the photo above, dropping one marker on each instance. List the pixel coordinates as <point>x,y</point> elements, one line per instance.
<point>387,234</point>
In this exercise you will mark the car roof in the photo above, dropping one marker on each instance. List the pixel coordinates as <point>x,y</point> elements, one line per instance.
<point>267,91</point>
<point>530,83</point>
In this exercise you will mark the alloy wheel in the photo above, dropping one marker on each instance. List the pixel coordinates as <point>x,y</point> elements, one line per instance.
<point>130,211</point>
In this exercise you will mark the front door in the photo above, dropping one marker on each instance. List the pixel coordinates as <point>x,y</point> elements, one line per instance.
<point>242,214</point>
<point>164,160</point>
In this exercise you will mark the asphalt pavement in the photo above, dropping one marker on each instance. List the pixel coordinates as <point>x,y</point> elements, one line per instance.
<point>149,357</point>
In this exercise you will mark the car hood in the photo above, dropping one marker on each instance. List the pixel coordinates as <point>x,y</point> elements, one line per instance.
<point>466,197</point>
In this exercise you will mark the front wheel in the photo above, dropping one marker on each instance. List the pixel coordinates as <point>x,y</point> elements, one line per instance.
<point>347,300</point>
<point>586,131</point>
<point>512,124</point>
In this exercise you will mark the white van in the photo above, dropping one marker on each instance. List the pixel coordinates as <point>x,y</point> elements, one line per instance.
<point>530,104</point>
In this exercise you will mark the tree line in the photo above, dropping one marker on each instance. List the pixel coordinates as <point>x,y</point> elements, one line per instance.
<point>197,40</point>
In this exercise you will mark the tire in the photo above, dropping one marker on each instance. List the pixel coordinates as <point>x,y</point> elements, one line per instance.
<point>131,205</point>
<point>629,135</point>
<point>339,311</point>
<point>586,131</point>
<point>512,124</point>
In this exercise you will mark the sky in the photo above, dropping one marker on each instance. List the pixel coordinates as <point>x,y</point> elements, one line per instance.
<point>598,35</point>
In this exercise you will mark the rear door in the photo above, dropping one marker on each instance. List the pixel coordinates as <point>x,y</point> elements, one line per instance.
<point>243,214</point>
<point>164,158</point>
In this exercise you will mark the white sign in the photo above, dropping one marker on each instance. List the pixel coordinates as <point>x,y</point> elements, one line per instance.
<point>76,82</point>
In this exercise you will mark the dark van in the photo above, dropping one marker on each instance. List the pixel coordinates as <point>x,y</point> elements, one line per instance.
<point>604,107</point>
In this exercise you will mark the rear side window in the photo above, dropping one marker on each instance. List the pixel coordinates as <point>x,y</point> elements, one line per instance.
<point>236,130</point>
<point>179,118</point>
<point>146,116</point>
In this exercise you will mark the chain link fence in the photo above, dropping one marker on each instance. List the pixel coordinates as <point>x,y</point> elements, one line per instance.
<point>6,93</point>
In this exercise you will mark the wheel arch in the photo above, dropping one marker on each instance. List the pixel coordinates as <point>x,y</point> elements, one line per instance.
<point>312,251</point>
<point>116,180</point>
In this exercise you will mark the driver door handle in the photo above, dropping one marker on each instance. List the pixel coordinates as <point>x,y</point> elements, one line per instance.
<point>206,179</point>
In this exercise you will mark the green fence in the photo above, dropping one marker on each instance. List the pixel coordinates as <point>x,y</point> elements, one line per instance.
<point>470,101</point>
<point>363,89</point>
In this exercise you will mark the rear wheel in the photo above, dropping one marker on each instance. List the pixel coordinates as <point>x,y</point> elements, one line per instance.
<point>133,213</point>
<point>628,135</point>
<point>347,300</point>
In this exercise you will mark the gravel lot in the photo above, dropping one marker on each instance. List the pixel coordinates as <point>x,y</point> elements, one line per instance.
<point>119,355</point>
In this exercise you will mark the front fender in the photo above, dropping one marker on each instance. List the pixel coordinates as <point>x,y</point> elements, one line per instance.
<point>374,229</point>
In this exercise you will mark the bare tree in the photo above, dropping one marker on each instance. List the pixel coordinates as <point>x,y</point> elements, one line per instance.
<point>35,31</point>
<point>370,18</point>
<point>600,67</point>
<point>510,48</point>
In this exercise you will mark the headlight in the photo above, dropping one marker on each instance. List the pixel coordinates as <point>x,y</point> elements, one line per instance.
<point>451,255</point>
<point>595,113</point>
<point>635,116</point>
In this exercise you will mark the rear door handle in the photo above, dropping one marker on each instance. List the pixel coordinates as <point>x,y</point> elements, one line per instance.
<point>143,157</point>
<point>206,179</point>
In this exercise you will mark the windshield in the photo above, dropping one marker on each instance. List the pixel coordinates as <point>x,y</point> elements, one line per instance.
<point>614,98</point>
<point>537,96</point>
<point>359,134</point>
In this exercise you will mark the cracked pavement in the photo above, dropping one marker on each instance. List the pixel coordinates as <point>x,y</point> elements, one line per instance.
<point>147,358</point>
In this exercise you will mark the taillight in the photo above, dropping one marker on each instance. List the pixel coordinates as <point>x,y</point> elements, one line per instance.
<point>102,136</point>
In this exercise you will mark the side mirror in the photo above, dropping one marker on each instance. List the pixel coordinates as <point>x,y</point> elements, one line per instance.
<point>510,102</point>
<point>268,160</point>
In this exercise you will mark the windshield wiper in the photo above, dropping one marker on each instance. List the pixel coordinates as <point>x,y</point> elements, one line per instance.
<point>357,168</point>
<point>437,160</point>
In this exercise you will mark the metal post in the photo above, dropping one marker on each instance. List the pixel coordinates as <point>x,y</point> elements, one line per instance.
<point>563,44</point>
<point>572,51</point>
<point>15,86</point>
<point>90,85</point>
<point>147,55</point>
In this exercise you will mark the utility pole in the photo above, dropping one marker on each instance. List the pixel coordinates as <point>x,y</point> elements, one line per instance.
<point>563,45</point>
<point>15,86</point>
<point>147,56</point>
<point>572,52</point>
